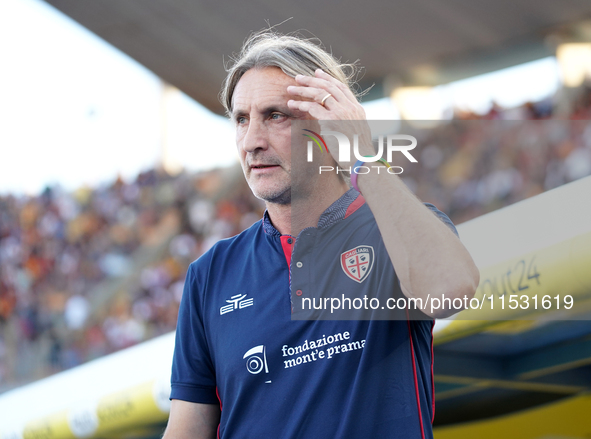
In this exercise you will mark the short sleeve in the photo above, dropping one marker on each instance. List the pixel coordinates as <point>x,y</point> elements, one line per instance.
<point>193,374</point>
<point>443,217</point>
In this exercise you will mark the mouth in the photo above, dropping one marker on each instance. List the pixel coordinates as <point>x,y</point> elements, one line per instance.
<point>262,167</point>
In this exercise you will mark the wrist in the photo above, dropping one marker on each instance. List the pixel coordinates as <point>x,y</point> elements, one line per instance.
<point>359,165</point>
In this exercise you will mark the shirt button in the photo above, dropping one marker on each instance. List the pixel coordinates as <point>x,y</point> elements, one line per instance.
<point>289,240</point>
<point>299,265</point>
<point>299,292</point>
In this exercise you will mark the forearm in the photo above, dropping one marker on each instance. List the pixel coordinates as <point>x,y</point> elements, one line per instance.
<point>428,258</point>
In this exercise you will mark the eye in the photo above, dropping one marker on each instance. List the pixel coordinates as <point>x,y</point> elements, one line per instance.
<point>277,116</point>
<point>240,120</point>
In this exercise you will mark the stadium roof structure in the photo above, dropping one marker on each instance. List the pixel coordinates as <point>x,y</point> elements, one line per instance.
<point>409,42</point>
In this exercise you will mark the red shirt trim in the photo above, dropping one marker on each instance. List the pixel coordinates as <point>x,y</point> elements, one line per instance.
<point>359,201</point>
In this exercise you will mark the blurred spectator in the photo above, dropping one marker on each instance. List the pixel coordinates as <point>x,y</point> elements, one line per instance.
<point>76,312</point>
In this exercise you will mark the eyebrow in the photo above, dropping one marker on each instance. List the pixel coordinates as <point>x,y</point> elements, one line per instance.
<point>266,111</point>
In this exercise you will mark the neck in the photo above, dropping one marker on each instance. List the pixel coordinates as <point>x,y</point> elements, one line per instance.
<point>303,212</point>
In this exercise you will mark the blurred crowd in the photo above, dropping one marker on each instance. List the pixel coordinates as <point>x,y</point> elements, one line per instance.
<point>87,273</point>
<point>61,255</point>
<point>479,163</point>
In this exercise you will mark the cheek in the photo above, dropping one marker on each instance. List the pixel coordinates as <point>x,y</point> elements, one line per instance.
<point>285,148</point>
<point>239,141</point>
<point>283,141</point>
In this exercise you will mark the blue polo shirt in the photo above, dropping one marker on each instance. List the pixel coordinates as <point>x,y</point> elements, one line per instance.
<point>274,377</point>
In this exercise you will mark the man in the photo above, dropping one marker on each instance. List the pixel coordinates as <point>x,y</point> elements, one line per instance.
<point>242,368</point>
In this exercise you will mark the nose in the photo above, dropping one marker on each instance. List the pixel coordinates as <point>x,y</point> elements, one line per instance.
<point>255,137</point>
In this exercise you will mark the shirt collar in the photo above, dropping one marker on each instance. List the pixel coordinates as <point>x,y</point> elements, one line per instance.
<point>335,212</point>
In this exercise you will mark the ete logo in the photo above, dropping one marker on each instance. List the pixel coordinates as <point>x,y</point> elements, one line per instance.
<point>236,302</point>
<point>345,146</point>
<point>358,262</point>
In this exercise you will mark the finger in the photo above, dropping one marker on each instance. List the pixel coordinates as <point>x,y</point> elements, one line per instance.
<point>314,109</point>
<point>321,84</point>
<point>315,94</point>
<point>321,74</point>
<point>311,93</point>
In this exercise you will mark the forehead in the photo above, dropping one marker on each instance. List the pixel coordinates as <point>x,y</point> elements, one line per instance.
<point>261,86</point>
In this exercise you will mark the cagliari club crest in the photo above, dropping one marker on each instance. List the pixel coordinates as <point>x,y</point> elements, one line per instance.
<point>357,262</point>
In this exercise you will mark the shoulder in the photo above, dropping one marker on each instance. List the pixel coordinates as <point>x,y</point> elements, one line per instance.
<point>227,247</point>
<point>205,273</point>
<point>363,214</point>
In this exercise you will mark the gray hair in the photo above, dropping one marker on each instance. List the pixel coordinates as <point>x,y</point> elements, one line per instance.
<point>293,54</point>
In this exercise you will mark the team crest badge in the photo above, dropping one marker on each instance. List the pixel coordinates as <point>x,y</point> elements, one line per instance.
<point>358,262</point>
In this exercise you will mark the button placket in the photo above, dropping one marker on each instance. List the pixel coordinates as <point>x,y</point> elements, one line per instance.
<point>302,267</point>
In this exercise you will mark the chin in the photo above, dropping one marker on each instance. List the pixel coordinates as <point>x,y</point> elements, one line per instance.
<point>273,196</point>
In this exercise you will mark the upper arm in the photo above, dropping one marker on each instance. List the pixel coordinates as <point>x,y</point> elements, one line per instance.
<point>445,219</point>
<point>190,420</point>
<point>421,313</point>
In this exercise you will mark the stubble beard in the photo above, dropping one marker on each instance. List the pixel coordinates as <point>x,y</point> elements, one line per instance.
<point>280,194</point>
<point>278,197</point>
